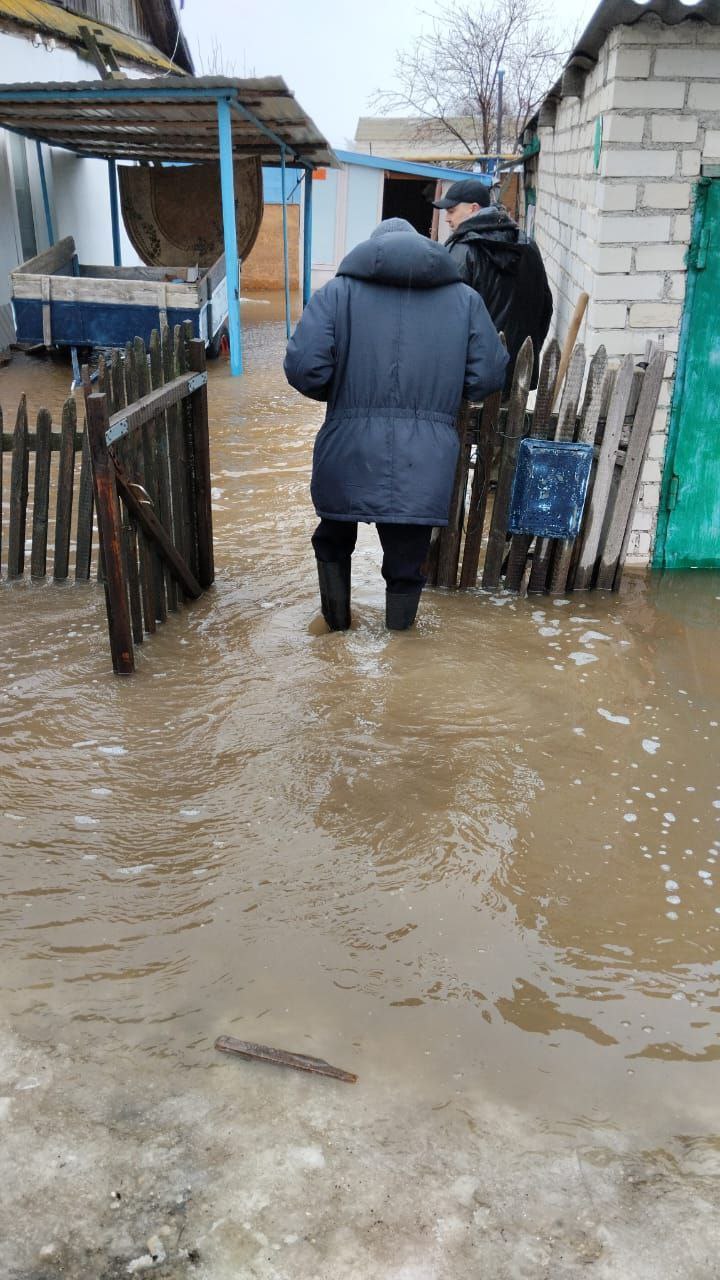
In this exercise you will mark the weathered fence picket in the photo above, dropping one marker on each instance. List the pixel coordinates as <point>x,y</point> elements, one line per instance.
<point>143,459</point>
<point>615,417</point>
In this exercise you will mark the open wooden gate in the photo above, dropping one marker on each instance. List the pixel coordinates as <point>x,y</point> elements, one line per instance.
<point>150,456</point>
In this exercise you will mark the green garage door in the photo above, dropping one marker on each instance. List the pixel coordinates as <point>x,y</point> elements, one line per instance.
<point>689,523</point>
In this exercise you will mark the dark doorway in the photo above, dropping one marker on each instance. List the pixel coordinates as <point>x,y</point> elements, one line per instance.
<point>409,198</point>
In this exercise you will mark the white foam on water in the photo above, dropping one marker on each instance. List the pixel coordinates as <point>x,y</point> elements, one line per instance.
<point>82,820</point>
<point>580,732</point>
<point>189,813</point>
<point>669,817</point>
<point>101,791</point>
<point>671,915</point>
<point>89,742</point>
<point>630,817</point>
<point>113,751</point>
<point>704,875</point>
<point>671,885</point>
<point>136,871</point>
<point>673,899</point>
<point>582,659</point>
<point>651,745</point>
<point>588,636</point>
<point>608,715</point>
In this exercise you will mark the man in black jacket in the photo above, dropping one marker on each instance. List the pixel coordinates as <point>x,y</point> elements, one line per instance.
<point>498,260</point>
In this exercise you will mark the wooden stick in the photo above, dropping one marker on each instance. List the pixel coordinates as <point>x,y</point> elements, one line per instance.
<point>63,510</point>
<point>612,559</point>
<point>18,494</point>
<point>41,495</point>
<point>108,514</point>
<point>281,1058</point>
<point>479,492</point>
<point>450,536</point>
<point>520,544</point>
<point>203,480</point>
<point>514,430</point>
<point>154,533</point>
<point>569,343</point>
<point>597,510</point>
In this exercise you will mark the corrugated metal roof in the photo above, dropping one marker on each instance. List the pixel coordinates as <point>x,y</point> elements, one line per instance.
<point>618,13</point>
<point>166,118</point>
<point>41,16</point>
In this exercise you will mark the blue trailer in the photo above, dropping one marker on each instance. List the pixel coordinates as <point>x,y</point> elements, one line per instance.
<point>61,302</point>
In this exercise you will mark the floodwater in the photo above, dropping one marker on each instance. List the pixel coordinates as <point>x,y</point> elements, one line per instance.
<point>476,864</point>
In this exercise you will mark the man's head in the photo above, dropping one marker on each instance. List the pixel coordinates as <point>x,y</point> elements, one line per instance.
<point>464,199</point>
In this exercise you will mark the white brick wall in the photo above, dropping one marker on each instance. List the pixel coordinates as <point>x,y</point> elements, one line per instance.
<point>622,233</point>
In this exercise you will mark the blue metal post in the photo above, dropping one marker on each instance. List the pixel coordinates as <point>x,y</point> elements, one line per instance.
<point>286,274</point>
<point>114,213</point>
<point>307,238</point>
<point>46,198</point>
<point>232,266</point>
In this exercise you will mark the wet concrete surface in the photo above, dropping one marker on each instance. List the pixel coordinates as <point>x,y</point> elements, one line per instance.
<point>475,864</point>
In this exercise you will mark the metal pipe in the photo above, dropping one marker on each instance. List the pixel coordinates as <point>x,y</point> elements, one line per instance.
<point>501,77</point>
<point>114,213</point>
<point>286,273</point>
<point>307,238</point>
<point>232,265</point>
<point>45,196</point>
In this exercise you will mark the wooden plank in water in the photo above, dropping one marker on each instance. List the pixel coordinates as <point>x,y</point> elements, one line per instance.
<point>162,469</point>
<point>41,495</point>
<point>172,416</point>
<point>83,544</point>
<point>451,535</point>
<point>565,431</point>
<point>520,544</point>
<point>108,511</point>
<point>18,494</point>
<point>83,537</point>
<point>514,430</point>
<point>63,508</point>
<point>281,1058</point>
<point>147,437</point>
<point>587,429</point>
<point>604,474</point>
<point>132,575</point>
<point>479,490</point>
<point>190,475</point>
<point>203,478</point>
<point>612,559</point>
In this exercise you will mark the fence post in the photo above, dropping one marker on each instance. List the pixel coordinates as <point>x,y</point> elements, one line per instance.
<point>18,494</point>
<point>108,517</point>
<point>201,443</point>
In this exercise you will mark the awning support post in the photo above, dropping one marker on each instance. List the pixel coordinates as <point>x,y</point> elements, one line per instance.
<point>286,273</point>
<point>114,213</point>
<point>45,196</point>
<point>307,237</point>
<point>232,265</point>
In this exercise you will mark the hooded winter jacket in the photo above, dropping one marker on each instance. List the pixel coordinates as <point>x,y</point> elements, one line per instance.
<point>392,343</point>
<point>495,257</point>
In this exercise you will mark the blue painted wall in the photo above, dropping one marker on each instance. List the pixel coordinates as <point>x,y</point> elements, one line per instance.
<point>272,188</point>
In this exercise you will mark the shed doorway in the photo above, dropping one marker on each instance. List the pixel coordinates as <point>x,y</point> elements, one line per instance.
<point>409,198</point>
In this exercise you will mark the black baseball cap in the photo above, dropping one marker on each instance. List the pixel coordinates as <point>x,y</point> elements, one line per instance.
<point>469,191</point>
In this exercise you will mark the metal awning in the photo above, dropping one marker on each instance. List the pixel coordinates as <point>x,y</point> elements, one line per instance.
<point>174,120</point>
<point>169,118</point>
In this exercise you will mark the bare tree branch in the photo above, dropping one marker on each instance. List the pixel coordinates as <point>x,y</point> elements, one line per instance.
<point>448,77</point>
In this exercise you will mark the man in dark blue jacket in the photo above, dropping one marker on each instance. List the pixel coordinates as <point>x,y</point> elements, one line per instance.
<point>392,343</point>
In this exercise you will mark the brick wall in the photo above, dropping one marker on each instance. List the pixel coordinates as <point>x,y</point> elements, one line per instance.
<point>621,232</point>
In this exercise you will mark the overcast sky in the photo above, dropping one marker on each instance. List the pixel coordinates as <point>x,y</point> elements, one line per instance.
<point>333,54</point>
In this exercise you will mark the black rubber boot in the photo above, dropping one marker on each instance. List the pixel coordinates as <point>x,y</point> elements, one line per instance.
<point>334,579</point>
<point>401,610</point>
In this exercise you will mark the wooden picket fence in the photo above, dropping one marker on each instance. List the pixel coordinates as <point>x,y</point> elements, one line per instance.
<point>55,456</point>
<point>616,417</point>
<point>148,436</point>
<point>132,488</point>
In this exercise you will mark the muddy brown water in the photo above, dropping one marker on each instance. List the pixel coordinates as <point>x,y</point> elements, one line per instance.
<point>479,855</point>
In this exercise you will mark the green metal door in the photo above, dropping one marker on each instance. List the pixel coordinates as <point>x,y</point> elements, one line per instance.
<point>689,522</point>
